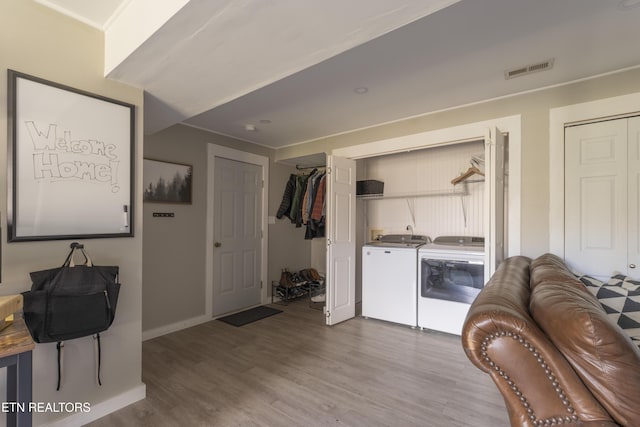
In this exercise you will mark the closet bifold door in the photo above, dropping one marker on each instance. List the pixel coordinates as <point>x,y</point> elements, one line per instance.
<point>494,200</point>
<point>633,222</point>
<point>596,188</point>
<point>341,240</point>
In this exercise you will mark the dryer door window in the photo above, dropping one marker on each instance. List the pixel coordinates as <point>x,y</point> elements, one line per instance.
<point>459,281</point>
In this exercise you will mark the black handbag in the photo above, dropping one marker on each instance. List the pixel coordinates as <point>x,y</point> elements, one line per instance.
<point>71,301</point>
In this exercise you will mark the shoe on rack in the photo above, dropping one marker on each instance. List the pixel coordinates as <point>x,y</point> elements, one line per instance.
<point>319,298</point>
<point>314,274</point>
<point>306,275</point>
<point>296,278</point>
<point>286,279</point>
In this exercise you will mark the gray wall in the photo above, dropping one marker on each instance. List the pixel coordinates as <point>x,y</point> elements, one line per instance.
<point>174,248</point>
<point>38,41</point>
<point>174,283</point>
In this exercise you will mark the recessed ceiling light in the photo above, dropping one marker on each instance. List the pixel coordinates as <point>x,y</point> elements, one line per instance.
<point>361,90</point>
<point>250,128</point>
<point>628,4</point>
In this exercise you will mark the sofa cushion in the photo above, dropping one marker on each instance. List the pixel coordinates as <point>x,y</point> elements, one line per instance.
<point>599,351</point>
<point>549,267</point>
<point>620,299</point>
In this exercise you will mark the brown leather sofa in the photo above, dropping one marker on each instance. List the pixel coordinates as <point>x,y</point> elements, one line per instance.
<point>551,350</point>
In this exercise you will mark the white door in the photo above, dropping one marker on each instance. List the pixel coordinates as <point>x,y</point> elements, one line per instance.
<point>494,200</point>
<point>633,194</point>
<point>596,188</point>
<point>237,235</point>
<point>340,302</point>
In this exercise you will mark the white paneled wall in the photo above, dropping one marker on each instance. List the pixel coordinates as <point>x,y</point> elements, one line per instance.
<point>426,171</point>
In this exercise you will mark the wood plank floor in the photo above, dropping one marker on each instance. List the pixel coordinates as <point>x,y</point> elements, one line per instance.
<point>291,370</point>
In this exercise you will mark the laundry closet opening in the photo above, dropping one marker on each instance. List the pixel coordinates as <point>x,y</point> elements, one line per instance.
<point>422,258</point>
<point>432,191</point>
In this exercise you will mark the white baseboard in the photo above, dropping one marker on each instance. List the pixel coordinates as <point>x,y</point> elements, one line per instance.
<point>174,327</point>
<point>103,408</point>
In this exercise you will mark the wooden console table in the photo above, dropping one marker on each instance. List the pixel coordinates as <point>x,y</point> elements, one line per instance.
<point>16,345</point>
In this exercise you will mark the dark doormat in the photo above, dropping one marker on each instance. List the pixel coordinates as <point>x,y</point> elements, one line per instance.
<point>249,316</point>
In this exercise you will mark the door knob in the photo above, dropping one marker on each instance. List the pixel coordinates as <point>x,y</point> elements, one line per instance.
<point>217,244</point>
<point>632,266</point>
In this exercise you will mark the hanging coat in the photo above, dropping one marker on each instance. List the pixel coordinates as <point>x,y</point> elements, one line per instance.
<point>287,198</point>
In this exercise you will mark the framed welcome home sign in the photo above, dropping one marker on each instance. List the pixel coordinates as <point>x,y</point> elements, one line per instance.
<point>70,162</point>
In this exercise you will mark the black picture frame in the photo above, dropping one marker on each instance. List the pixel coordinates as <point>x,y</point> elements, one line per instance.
<point>71,162</point>
<point>167,182</point>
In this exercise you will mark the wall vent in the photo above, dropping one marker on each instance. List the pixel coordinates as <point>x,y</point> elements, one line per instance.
<point>528,69</point>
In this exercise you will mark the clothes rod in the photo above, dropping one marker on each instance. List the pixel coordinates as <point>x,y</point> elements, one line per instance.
<point>310,167</point>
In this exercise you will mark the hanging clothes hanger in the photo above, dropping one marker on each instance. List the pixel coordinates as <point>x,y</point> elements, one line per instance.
<point>309,170</point>
<point>466,175</point>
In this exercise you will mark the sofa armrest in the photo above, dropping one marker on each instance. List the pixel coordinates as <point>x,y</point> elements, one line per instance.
<point>538,385</point>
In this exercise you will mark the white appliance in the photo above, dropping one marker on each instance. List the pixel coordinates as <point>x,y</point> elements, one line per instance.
<point>390,278</point>
<point>450,276</point>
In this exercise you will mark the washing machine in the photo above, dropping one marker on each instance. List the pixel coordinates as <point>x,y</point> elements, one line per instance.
<point>390,278</point>
<point>450,276</point>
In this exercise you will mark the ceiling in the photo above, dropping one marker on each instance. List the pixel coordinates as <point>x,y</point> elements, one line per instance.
<point>278,73</point>
<point>97,13</point>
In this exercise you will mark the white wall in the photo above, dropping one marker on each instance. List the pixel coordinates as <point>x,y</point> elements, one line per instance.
<point>38,41</point>
<point>428,172</point>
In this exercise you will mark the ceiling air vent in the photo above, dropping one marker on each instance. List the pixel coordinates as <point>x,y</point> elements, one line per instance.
<point>528,69</point>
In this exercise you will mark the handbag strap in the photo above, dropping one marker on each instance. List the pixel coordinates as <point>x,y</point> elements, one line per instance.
<point>60,347</point>
<point>98,353</point>
<point>69,261</point>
